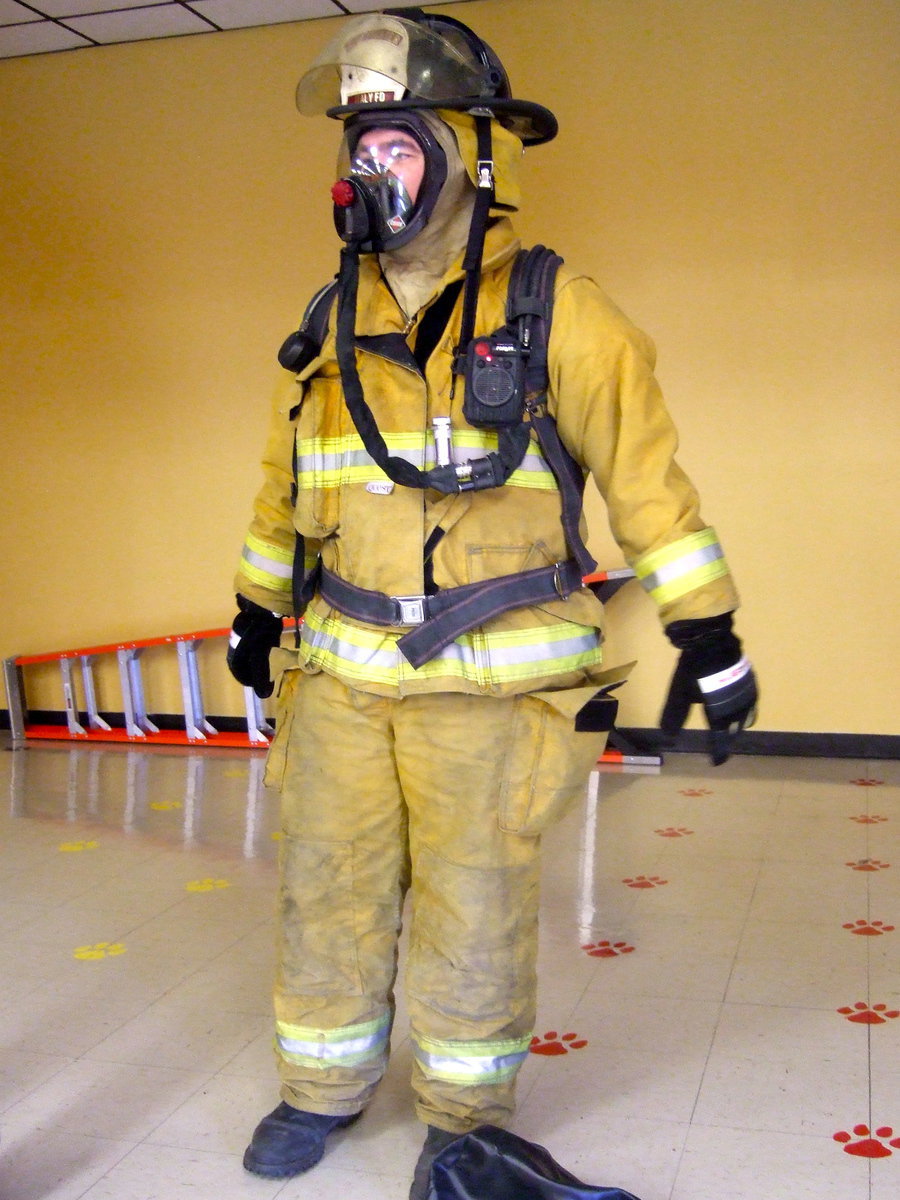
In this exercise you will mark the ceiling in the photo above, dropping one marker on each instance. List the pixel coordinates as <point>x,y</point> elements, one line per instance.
<point>46,26</point>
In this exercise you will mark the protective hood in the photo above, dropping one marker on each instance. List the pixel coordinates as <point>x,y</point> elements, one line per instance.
<point>416,269</point>
<point>507,150</point>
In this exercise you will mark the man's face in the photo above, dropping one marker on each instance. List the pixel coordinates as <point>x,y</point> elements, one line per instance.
<point>394,151</point>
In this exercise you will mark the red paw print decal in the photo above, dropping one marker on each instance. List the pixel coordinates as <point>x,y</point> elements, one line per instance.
<point>869,928</point>
<point>868,1146</point>
<point>868,864</point>
<point>868,782</point>
<point>607,949</point>
<point>695,792</point>
<point>645,881</point>
<point>552,1044</point>
<point>674,831</point>
<point>862,1014</point>
<point>867,819</point>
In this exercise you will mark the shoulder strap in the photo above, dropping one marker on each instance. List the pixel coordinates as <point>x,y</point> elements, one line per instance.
<point>529,307</point>
<point>302,346</point>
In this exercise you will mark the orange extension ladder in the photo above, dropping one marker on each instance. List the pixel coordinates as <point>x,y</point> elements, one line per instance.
<point>197,730</point>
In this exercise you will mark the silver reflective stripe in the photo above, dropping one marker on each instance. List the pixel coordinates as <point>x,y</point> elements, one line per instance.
<point>713,683</point>
<point>507,656</point>
<point>334,1047</point>
<point>270,565</point>
<point>333,1050</point>
<point>682,566</point>
<point>349,460</point>
<point>384,656</point>
<point>470,1069</point>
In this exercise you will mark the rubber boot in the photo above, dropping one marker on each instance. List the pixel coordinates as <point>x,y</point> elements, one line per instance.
<point>289,1141</point>
<point>435,1141</point>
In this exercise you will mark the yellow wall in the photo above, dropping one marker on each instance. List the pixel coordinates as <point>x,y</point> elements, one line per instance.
<point>727,169</point>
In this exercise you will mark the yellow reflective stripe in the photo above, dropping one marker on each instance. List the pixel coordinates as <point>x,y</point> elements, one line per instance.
<point>332,462</point>
<point>481,657</point>
<point>266,565</point>
<point>682,566</point>
<point>471,1062</point>
<point>346,1046</point>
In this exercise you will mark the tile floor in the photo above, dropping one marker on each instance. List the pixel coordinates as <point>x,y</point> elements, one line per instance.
<point>719,1012</point>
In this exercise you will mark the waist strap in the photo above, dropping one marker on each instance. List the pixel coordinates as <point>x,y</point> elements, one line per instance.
<point>441,618</point>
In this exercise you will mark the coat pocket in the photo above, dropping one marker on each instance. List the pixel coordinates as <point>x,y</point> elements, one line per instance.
<point>557,737</point>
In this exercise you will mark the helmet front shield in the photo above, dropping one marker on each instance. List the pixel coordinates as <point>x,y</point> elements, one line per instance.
<point>385,62</point>
<point>379,59</point>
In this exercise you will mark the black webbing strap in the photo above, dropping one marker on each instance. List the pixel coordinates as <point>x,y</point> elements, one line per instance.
<point>530,303</point>
<point>452,611</point>
<point>570,481</point>
<point>484,198</point>
<point>491,471</point>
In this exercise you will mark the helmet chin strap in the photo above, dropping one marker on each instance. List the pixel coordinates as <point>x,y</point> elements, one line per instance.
<point>484,198</point>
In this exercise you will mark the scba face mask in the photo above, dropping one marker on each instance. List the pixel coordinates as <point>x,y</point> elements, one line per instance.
<point>392,170</point>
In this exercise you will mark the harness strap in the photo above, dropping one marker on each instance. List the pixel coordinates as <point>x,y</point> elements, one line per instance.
<point>441,618</point>
<point>570,481</point>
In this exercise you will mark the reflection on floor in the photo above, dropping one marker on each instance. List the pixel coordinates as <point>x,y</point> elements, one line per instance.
<point>720,1000</point>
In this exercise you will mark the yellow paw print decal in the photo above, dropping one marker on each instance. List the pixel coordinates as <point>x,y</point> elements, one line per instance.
<point>74,847</point>
<point>165,805</point>
<point>99,950</point>
<point>206,885</point>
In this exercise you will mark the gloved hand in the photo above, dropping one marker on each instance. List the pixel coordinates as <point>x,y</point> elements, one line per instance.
<point>711,671</point>
<point>254,633</point>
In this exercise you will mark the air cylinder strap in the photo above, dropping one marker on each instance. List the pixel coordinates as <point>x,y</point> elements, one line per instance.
<point>441,618</point>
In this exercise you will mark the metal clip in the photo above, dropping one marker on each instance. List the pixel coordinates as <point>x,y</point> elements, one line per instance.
<point>557,581</point>
<point>442,440</point>
<point>412,610</point>
<point>485,172</point>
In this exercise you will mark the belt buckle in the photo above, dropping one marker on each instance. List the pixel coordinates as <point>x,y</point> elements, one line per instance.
<point>557,581</point>
<point>412,610</point>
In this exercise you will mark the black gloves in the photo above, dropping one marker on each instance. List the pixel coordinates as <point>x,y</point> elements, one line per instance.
<point>711,671</point>
<point>254,633</point>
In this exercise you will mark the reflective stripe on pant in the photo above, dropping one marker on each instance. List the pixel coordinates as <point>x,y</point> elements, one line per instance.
<point>450,791</point>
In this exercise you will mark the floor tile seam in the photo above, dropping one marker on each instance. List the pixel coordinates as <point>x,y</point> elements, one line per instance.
<point>223,1069</point>
<point>147,1138</point>
<point>739,941</point>
<point>5,1107</point>
<point>722,1003</point>
<point>107,1172</point>
<point>808,1135</point>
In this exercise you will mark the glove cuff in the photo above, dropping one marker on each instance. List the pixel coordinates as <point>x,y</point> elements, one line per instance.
<point>684,634</point>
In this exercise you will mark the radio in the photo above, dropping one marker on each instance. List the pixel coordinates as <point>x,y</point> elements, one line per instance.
<point>495,381</point>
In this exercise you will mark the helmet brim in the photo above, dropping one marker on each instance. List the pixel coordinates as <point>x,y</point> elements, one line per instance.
<point>532,123</point>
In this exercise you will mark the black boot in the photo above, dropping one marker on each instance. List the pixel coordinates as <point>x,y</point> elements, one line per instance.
<point>289,1141</point>
<point>435,1141</point>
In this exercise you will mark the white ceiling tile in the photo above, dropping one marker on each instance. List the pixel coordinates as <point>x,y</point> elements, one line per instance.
<point>11,12</point>
<point>164,20</point>
<point>235,14</point>
<point>75,8</point>
<point>41,37</point>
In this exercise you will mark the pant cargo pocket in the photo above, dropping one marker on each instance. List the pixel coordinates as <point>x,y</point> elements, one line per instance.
<point>285,703</point>
<point>557,738</point>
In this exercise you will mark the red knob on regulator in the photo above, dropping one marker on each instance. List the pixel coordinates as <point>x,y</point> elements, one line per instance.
<point>342,193</point>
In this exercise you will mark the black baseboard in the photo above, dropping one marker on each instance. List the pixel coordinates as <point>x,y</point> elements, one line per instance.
<point>641,741</point>
<point>759,742</point>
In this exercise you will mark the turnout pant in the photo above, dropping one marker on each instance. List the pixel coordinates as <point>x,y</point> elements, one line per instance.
<point>446,794</point>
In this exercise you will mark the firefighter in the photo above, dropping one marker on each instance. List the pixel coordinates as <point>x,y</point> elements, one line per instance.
<point>446,698</point>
